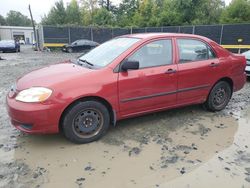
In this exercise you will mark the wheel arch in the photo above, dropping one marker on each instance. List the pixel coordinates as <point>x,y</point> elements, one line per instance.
<point>90,98</point>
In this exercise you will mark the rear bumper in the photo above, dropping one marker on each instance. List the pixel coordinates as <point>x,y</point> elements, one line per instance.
<point>33,118</point>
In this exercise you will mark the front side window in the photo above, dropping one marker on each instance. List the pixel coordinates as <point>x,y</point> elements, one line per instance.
<point>153,54</point>
<point>193,50</point>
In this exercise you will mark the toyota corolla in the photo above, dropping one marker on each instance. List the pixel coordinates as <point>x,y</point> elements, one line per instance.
<point>125,77</point>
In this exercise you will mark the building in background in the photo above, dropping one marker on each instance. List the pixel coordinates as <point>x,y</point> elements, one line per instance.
<point>17,33</point>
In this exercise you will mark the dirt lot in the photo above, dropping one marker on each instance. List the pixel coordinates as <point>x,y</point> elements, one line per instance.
<point>186,147</point>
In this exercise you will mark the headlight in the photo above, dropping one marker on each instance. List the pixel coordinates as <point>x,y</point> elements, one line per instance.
<point>34,94</point>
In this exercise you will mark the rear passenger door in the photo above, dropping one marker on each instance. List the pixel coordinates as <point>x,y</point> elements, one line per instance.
<point>198,69</point>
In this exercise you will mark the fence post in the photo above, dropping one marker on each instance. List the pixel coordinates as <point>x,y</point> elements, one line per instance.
<point>131,29</point>
<point>221,33</point>
<point>41,37</point>
<point>179,29</point>
<point>91,32</point>
<point>193,29</point>
<point>69,37</point>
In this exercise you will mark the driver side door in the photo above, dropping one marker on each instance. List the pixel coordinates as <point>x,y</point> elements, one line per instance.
<point>152,86</point>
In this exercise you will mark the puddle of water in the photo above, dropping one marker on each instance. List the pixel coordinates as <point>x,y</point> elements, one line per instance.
<point>225,169</point>
<point>188,147</point>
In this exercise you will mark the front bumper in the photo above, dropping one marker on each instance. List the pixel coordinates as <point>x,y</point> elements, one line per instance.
<point>34,118</point>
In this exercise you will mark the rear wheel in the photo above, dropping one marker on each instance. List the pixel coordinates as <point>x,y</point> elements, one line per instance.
<point>219,96</point>
<point>86,122</point>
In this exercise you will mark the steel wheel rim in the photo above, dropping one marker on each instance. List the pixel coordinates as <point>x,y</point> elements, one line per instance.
<point>88,123</point>
<point>220,96</point>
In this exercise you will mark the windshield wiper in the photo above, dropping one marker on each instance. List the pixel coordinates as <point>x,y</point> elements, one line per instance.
<point>85,61</point>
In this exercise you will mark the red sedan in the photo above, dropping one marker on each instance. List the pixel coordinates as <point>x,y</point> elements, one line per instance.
<point>127,76</point>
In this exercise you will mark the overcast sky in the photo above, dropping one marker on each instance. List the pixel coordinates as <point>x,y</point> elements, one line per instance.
<point>39,7</point>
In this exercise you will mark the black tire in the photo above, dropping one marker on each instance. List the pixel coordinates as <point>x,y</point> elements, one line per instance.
<point>81,118</point>
<point>70,50</point>
<point>219,96</point>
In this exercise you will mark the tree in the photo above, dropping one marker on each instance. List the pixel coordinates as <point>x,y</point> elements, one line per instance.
<point>2,20</point>
<point>125,11</point>
<point>181,12</point>
<point>56,15</point>
<point>105,4</point>
<point>73,13</point>
<point>147,13</point>
<point>88,9</point>
<point>238,11</point>
<point>15,18</point>
<point>144,16</point>
<point>170,15</point>
<point>210,12</point>
<point>102,17</point>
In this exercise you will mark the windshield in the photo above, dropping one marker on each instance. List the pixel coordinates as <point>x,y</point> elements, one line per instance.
<point>108,51</point>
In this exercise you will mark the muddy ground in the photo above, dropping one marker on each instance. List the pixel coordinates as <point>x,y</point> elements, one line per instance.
<point>187,147</point>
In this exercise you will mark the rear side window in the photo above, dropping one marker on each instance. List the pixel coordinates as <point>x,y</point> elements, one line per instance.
<point>153,54</point>
<point>194,50</point>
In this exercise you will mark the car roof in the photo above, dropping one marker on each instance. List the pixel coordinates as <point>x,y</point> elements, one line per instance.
<point>159,35</point>
<point>85,40</point>
<point>82,40</point>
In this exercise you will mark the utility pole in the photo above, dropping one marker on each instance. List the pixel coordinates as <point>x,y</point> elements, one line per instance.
<point>34,29</point>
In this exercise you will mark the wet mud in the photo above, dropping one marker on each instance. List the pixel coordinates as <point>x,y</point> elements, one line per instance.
<point>186,147</point>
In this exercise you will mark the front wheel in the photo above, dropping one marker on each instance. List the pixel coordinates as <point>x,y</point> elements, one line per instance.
<point>86,122</point>
<point>219,96</point>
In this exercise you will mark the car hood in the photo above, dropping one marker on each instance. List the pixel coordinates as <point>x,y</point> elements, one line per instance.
<point>52,75</point>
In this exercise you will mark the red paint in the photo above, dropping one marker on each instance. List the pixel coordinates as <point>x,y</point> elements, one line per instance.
<point>71,82</point>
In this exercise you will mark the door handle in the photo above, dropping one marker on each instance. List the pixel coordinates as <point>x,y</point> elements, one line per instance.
<point>170,71</point>
<point>214,64</point>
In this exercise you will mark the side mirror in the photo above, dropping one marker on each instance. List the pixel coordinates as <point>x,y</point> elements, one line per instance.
<point>130,65</point>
